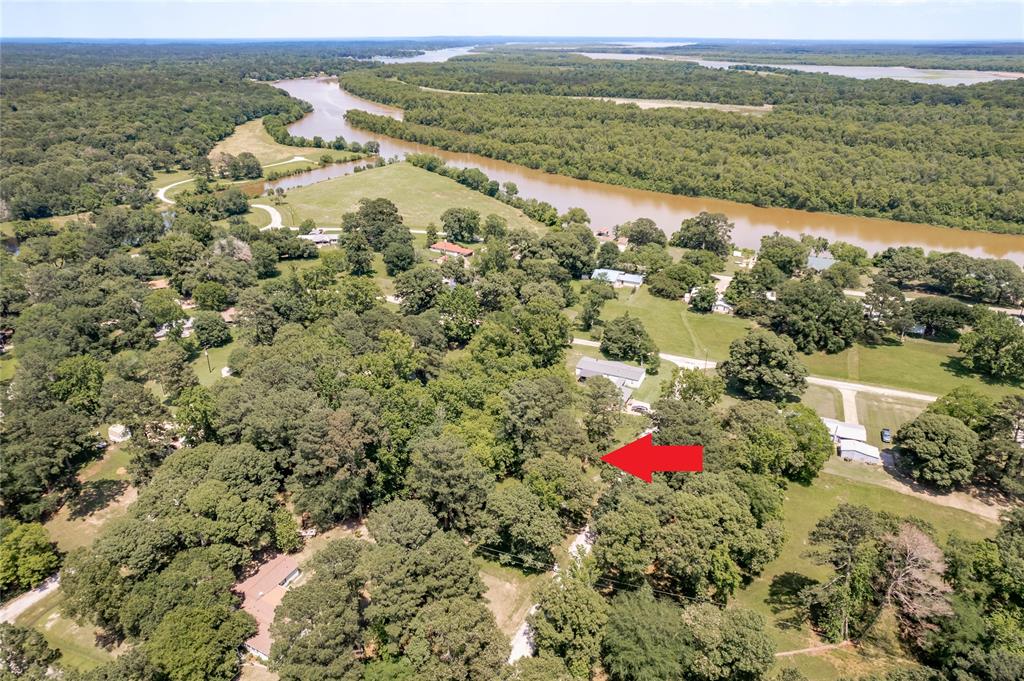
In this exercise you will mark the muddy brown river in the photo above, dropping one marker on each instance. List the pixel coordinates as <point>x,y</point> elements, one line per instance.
<point>610,205</point>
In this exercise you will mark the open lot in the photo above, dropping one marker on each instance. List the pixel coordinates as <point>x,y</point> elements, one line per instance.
<point>77,644</point>
<point>421,197</point>
<point>772,593</point>
<point>105,494</point>
<point>881,411</point>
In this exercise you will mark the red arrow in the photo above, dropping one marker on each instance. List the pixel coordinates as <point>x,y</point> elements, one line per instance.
<point>642,457</point>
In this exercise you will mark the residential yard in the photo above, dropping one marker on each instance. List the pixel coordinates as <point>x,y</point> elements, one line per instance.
<point>673,328</point>
<point>920,365</point>
<point>880,411</point>
<point>76,644</point>
<point>649,391</point>
<point>509,593</point>
<point>253,137</point>
<point>209,373</point>
<point>826,401</point>
<point>773,593</point>
<point>421,197</point>
<point>105,494</point>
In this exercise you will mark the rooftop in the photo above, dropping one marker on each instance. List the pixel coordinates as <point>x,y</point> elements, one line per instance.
<point>588,366</point>
<point>261,595</point>
<point>820,262</point>
<point>449,247</point>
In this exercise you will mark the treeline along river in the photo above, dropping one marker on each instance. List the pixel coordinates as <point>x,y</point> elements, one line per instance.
<point>609,205</point>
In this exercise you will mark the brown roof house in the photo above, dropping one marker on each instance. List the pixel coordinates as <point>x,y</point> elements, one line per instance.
<point>448,248</point>
<point>261,593</point>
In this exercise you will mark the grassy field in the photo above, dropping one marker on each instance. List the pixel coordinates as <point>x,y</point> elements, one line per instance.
<point>920,365</point>
<point>421,197</point>
<point>253,137</point>
<point>76,644</point>
<point>7,228</point>
<point>105,495</point>
<point>879,411</point>
<point>826,401</point>
<point>675,329</point>
<point>804,506</point>
<point>218,360</point>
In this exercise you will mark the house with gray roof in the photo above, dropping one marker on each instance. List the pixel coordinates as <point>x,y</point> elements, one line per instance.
<point>626,378</point>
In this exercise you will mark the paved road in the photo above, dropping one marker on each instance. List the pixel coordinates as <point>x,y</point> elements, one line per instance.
<point>275,216</point>
<point>162,192</point>
<point>276,221</point>
<point>11,610</point>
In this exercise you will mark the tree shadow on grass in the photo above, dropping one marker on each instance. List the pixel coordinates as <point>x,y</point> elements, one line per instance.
<point>784,598</point>
<point>94,496</point>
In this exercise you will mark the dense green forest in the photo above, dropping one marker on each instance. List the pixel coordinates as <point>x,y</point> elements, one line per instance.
<point>451,423</point>
<point>85,125</point>
<point>949,156</point>
<point>931,55</point>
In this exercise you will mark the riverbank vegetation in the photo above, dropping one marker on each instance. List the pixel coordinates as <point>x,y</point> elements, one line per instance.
<point>918,153</point>
<point>993,56</point>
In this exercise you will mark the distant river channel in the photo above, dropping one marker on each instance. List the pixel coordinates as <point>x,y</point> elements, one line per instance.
<point>609,205</point>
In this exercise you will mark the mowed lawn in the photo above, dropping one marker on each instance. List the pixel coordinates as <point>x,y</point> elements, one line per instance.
<point>919,365</point>
<point>253,137</point>
<point>803,508</point>
<point>922,365</point>
<point>673,327</point>
<point>876,412</point>
<point>77,644</point>
<point>421,197</point>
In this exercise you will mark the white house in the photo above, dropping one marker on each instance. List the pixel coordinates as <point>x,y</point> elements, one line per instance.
<point>855,450</point>
<point>617,278</point>
<point>627,378</point>
<point>321,238</point>
<point>722,307</point>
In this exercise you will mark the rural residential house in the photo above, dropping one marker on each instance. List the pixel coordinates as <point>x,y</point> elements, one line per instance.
<point>617,278</point>
<point>448,248</point>
<point>261,595</point>
<point>851,441</point>
<point>627,378</point>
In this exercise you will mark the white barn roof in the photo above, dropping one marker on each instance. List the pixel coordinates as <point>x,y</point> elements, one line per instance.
<point>841,430</point>
<point>861,449</point>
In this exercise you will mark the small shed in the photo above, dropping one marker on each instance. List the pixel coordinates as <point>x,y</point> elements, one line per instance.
<point>855,450</point>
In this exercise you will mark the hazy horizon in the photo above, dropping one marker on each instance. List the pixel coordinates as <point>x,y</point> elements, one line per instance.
<point>267,20</point>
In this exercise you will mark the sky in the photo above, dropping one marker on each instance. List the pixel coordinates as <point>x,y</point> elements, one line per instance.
<point>291,19</point>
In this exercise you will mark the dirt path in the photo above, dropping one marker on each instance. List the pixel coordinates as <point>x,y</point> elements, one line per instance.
<point>815,649</point>
<point>13,608</point>
<point>958,500</point>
